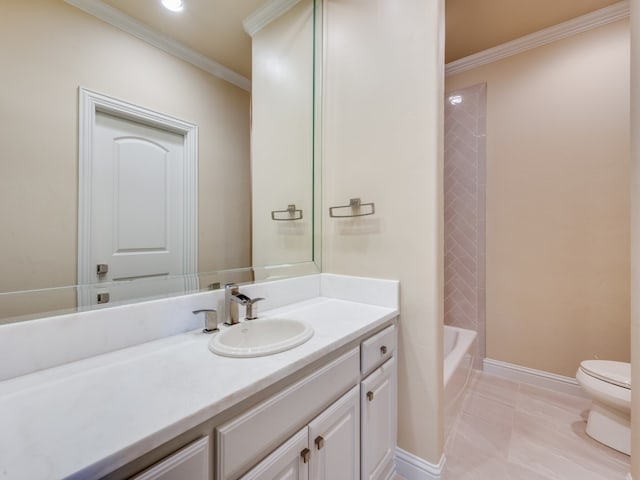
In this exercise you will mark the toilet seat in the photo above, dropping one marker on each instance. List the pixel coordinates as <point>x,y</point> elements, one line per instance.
<point>615,373</point>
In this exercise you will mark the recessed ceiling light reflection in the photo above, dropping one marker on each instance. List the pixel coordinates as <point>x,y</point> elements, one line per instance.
<point>455,99</point>
<point>173,5</point>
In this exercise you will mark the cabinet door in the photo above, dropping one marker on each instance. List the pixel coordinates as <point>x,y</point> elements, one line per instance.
<point>247,438</point>
<point>334,440</point>
<point>191,462</point>
<point>378,404</point>
<point>289,462</point>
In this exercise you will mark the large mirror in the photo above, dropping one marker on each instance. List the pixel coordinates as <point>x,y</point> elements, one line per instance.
<point>238,73</point>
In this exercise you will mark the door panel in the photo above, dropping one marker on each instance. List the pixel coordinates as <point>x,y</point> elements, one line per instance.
<point>334,440</point>
<point>138,190</point>
<point>140,196</point>
<point>138,199</point>
<point>286,463</point>
<point>378,403</point>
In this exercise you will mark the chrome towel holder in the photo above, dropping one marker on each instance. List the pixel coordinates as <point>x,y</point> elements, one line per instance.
<point>355,205</point>
<point>291,211</point>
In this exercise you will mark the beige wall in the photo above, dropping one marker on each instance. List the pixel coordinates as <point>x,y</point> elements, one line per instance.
<point>282,137</point>
<point>49,49</point>
<point>557,231</point>
<point>635,236</point>
<point>383,142</point>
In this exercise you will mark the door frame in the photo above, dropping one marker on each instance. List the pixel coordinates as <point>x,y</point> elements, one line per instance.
<point>89,103</point>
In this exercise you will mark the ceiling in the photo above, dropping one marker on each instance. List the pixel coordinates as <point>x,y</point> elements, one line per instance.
<point>214,27</point>
<point>210,27</point>
<point>475,25</point>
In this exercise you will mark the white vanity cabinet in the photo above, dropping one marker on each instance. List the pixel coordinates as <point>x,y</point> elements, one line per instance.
<point>350,438</point>
<point>378,405</point>
<point>190,414</point>
<point>308,404</point>
<point>337,422</point>
<point>328,448</point>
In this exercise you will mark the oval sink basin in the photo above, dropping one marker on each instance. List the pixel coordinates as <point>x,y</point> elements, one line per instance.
<point>260,337</point>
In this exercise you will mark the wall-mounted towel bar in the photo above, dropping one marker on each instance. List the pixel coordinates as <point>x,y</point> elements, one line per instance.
<point>291,214</point>
<point>354,205</point>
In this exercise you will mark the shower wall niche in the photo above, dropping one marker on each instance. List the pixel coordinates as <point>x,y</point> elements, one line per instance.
<point>464,211</point>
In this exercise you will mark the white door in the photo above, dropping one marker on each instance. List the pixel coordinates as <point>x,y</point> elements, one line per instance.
<point>138,190</point>
<point>137,209</point>
<point>288,462</point>
<point>378,404</point>
<point>334,440</point>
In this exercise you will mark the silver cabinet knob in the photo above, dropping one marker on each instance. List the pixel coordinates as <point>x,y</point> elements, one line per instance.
<point>306,455</point>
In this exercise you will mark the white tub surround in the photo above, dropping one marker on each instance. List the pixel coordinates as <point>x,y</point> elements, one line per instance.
<point>459,349</point>
<point>95,401</point>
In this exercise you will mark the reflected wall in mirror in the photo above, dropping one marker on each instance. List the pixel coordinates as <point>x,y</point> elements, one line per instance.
<point>51,48</point>
<point>282,101</point>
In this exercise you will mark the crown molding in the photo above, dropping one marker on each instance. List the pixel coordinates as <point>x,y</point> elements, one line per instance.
<point>604,16</point>
<point>124,22</point>
<point>266,14</point>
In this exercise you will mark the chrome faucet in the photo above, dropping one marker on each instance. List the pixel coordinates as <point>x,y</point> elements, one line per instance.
<point>233,298</point>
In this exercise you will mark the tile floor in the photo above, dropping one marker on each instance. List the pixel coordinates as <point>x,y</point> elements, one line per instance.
<point>511,431</point>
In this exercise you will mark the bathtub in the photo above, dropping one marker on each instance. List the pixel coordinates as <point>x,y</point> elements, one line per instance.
<point>459,350</point>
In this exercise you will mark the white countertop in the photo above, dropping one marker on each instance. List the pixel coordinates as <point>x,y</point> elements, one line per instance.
<point>92,416</point>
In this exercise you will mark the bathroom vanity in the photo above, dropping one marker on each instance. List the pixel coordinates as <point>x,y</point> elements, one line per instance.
<point>169,408</point>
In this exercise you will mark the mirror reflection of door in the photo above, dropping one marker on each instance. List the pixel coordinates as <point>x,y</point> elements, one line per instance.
<point>137,200</point>
<point>139,234</point>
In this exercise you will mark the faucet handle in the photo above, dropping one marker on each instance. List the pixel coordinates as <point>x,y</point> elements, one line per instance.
<point>240,298</point>
<point>210,320</point>
<point>252,308</point>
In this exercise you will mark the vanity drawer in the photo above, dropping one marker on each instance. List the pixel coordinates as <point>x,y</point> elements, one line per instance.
<point>190,462</point>
<point>377,349</point>
<point>246,439</point>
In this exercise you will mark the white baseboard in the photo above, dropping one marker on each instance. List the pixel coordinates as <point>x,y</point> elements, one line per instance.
<point>392,473</point>
<point>412,467</point>
<point>530,376</point>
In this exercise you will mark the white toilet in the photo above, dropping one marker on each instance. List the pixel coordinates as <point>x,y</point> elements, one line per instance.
<point>609,385</point>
